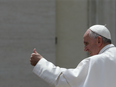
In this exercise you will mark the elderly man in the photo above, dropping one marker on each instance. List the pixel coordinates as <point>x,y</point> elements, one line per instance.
<point>98,70</point>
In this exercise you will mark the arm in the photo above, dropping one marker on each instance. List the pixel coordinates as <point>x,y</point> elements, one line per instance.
<point>47,71</point>
<point>60,77</point>
<point>50,73</point>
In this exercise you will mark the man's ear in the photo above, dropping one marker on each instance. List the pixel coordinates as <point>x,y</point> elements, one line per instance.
<point>99,41</point>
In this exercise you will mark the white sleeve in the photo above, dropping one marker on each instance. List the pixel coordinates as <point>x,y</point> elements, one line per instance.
<point>77,77</point>
<point>50,73</point>
<point>61,77</point>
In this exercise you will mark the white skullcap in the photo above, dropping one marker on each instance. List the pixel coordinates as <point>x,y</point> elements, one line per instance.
<point>101,30</point>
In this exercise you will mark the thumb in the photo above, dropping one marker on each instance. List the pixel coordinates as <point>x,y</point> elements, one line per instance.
<point>34,50</point>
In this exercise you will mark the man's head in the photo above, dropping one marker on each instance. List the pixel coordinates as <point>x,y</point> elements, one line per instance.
<point>95,38</point>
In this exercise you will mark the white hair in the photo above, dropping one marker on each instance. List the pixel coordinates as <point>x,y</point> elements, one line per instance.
<point>95,35</point>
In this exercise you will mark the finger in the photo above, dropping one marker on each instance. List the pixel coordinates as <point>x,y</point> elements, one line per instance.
<point>32,54</point>
<point>34,50</point>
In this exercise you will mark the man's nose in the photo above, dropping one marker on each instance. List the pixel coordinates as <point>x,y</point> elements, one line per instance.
<point>85,49</point>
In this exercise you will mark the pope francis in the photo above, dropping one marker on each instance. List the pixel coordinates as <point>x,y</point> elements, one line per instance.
<point>98,70</point>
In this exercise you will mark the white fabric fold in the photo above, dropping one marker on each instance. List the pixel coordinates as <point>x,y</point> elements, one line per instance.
<point>95,71</point>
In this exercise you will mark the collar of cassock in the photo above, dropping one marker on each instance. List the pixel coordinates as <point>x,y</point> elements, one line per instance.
<point>106,47</point>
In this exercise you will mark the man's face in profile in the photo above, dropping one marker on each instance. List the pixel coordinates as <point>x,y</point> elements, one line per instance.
<point>90,44</point>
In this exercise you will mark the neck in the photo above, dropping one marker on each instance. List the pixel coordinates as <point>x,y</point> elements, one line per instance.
<point>104,45</point>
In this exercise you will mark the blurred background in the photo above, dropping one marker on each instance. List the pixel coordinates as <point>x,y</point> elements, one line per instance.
<point>54,27</point>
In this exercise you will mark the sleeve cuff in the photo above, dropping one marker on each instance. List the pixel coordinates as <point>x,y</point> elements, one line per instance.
<point>37,69</point>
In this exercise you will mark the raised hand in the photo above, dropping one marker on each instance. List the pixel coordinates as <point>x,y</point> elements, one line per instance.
<point>35,57</point>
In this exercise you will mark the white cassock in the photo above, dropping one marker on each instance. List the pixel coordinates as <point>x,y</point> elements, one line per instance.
<point>95,71</point>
